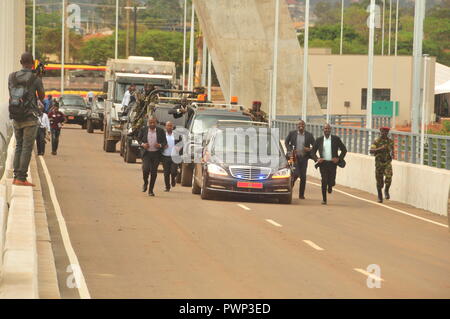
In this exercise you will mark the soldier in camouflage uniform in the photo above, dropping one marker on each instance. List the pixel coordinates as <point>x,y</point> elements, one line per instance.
<point>256,113</point>
<point>383,149</point>
<point>145,103</point>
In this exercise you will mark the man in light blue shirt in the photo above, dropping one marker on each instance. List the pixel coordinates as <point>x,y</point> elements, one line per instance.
<point>170,168</point>
<point>328,147</point>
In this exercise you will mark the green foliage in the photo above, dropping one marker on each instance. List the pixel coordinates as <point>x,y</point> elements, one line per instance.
<point>446,126</point>
<point>326,32</point>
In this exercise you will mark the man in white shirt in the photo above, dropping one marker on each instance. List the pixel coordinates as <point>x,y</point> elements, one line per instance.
<point>127,96</point>
<point>43,131</point>
<point>170,168</point>
<point>328,147</point>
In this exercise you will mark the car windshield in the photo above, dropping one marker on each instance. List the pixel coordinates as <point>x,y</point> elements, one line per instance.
<point>76,101</point>
<point>100,105</point>
<point>203,123</point>
<point>247,145</point>
<point>121,89</point>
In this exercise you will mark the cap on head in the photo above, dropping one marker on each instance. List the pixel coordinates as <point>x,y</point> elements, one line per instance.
<point>385,128</point>
<point>256,103</point>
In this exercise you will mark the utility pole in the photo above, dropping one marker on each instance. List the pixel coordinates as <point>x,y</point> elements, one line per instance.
<point>127,39</point>
<point>34,30</point>
<point>330,84</point>
<point>184,45</point>
<point>396,29</point>
<point>342,27</point>
<point>191,51</point>
<point>419,14</point>
<point>426,59</point>
<point>116,45</point>
<point>275,61</point>
<point>305,62</point>
<point>382,30</point>
<point>135,9</point>
<point>63,28</point>
<point>370,65</point>
<point>390,27</point>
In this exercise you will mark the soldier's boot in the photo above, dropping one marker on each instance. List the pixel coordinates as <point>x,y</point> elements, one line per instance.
<point>386,192</point>
<point>380,195</point>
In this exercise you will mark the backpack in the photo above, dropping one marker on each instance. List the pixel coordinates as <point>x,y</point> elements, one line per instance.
<point>20,106</point>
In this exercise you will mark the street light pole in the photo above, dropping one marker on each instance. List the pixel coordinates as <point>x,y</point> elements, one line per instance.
<point>342,26</point>
<point>370,65</point>
<point>184,45</point>
<point>305,62</point>
<point>116,46</point>
<point>330,79</point>
<point>209,76</point>
<point>135,11</point>
<point>34,29</point>
<point>382,30</point>
<point>390,27</point>
<point>424,102</point>
<point>396,29</point>
<point>419,14</point>
<point>191,51</point>
<point>275,60</point>
<point>62,44</point>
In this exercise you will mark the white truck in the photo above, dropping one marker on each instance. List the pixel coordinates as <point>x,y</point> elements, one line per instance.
<point>119,75</point>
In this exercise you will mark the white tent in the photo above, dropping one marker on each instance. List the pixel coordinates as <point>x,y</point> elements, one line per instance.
<point>442,79</point>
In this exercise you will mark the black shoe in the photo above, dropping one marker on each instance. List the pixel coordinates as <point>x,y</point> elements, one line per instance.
<point>301,197</point>
<point>53,153</point>
<point>324,202</point>
<point>144,187</point>
<point>174,182</point>
<point>380,195</point>
<point>151,194</point>
<point>167,190</point>
<point>330,189</point>
<point>386,194</point>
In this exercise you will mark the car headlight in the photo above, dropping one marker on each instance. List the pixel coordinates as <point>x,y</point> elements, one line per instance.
<point>282,173</point>
<point>95,115</point>
<point>216,170</point>
<point>83,112</point>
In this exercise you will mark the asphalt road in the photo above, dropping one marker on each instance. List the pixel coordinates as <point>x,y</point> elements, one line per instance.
<point>175,245</point>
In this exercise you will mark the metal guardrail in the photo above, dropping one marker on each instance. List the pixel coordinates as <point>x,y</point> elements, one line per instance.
<point>356,120</point>
<point>407,145</point>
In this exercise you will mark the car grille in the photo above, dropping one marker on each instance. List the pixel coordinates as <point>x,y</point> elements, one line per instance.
<point>250,173</point>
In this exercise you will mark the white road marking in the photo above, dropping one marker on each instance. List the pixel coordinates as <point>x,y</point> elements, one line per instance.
<point>368,274</point>
<point>81,282</point>
<point>243,207</point>
<point>273,223</point>
<point>385,206</point>
<point>313,245</point>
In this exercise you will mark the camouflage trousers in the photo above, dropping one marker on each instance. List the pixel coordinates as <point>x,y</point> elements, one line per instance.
<point>383,174</point>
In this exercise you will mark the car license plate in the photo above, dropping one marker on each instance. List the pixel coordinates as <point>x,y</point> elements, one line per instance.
<point>250,185</point>
<point>71,117</point>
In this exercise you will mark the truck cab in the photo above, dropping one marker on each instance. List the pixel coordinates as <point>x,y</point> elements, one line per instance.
<point>122,73</point>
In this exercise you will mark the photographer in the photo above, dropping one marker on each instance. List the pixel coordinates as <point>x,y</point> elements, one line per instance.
<point>25,88</point>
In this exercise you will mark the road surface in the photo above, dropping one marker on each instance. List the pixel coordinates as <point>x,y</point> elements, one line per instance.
<point>176,245</point>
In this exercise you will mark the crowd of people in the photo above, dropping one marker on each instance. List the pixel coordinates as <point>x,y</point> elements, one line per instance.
<point>36,118</point>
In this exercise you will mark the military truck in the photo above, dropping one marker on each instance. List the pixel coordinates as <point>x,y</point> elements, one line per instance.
<point>119,75</point>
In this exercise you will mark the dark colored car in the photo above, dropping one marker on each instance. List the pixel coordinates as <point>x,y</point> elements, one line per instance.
<point>245,162</point>
<point>95,113</point>
<point>204,118</point>
<point>75,108</point>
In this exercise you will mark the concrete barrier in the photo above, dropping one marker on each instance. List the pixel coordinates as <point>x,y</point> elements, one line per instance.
<point>417,185</point>
<point>19,262</point>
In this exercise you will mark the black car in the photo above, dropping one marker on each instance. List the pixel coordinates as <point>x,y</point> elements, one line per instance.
<point>95,113</point>
<point>204,117</point>
<point>245,159</point>
<point>75,109</point>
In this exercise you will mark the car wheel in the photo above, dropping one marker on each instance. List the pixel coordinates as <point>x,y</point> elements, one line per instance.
<point>204,193</point>
<point>130,156</point>
<point>89,126</point>
<point>195,188</point>
<point>110,146</point>
<point>285,199</point>
<point>84,125</point>
<point>186,174</point>
<point>121,147</point>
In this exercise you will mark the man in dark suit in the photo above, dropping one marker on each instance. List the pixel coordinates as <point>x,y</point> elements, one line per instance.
<point>328,146</point>
<point>153,140</point>
<point>298,144</point>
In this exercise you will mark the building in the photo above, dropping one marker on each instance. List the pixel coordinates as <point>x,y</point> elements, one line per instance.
<point>392,81</point>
